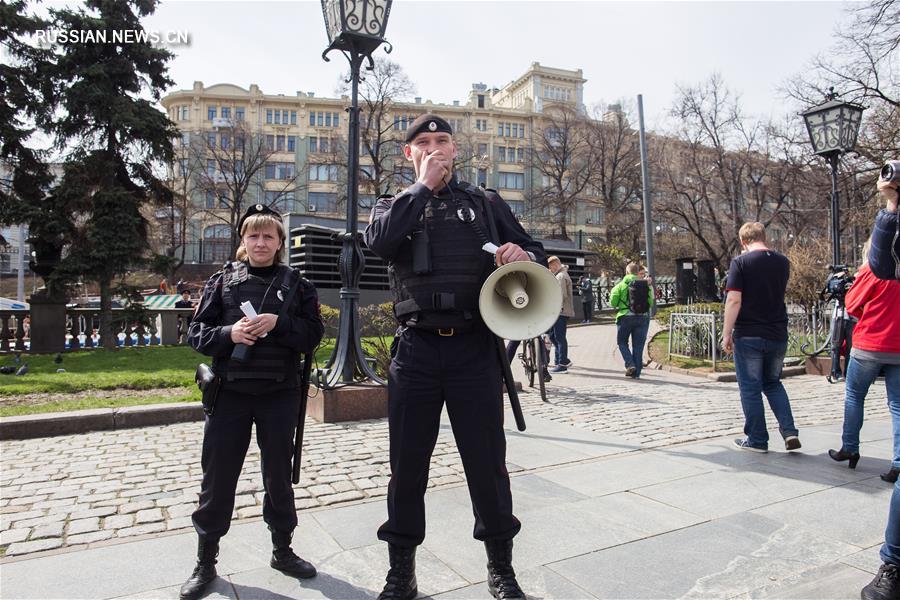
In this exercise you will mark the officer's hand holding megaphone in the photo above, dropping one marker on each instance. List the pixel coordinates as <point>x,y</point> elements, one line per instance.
<point>510,252</point>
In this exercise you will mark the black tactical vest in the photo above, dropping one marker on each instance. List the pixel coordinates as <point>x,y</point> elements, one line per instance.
<point>447,296</point>
<point>268,361</point>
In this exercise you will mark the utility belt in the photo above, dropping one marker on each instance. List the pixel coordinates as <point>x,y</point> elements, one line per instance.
<point>443,323</point>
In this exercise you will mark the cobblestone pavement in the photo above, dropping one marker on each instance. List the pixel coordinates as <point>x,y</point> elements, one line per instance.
<point>81,489</point>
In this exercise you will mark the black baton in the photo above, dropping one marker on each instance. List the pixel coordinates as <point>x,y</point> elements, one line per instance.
<point>301,418</point>
<point>510,385</point>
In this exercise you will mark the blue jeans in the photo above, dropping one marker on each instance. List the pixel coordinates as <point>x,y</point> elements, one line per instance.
<point>890,551</point>
<point>860,376</point>
<point>757,364</point>
<point>560,343</point>
<point>634,327</point>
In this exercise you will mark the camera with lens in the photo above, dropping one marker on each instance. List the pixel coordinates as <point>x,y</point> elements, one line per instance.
<point>890,172</point>
<point>837,284</point>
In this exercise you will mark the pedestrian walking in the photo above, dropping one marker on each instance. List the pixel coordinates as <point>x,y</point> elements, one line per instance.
<point>587,298</point>
<point>558,331</point>
<point>632,297</point>
<point>256,360</point>
<point>755,330</point>
<point>431,235</point>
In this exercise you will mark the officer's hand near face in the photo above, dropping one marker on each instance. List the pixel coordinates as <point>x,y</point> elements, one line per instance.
<point>890,194</point>
<point>510,252</point>
<point>434,170</point>
<point>240,333</point>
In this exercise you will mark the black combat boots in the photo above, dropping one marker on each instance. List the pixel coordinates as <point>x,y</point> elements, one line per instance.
<point>401,579</point>
<point>501,579</point>
<point>284,559</point>
<point>204,572</point>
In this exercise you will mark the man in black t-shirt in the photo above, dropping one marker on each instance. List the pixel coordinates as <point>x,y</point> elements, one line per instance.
<point>756,331</point>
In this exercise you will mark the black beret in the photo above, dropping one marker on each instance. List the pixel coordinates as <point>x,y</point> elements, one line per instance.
<point>257,209</point>
<point>427,122</point>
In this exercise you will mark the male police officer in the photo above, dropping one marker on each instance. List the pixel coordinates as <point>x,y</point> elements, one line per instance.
<point>431,234</point>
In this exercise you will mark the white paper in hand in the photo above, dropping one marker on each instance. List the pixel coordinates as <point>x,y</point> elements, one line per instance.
<point>250,312</point>
<point>490,247</point>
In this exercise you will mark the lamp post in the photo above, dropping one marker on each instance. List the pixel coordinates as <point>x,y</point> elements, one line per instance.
<point>833,127</point>
<point>356,28</point>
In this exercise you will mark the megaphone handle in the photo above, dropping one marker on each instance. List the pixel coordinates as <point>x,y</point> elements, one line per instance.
<point>510,385</point>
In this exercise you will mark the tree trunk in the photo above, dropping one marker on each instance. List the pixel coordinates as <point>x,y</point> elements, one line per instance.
<point>107,333</point>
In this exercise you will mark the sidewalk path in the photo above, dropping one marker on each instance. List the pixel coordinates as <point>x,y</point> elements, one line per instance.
<point>92,488</point>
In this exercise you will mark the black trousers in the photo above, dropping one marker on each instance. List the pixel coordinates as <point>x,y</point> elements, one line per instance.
<point>226,438</point>
<point>464,371</point>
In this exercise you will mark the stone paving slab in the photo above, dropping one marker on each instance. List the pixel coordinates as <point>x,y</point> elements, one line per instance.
<point>601,544</point>
<point>87,488</point>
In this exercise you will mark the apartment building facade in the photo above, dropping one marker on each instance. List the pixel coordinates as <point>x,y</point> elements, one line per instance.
<point>303,138</point>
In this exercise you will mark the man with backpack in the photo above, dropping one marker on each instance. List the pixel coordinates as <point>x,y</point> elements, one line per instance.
<point>633,298</point>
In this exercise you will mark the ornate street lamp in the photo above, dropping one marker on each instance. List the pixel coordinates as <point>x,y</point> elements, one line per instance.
<point>833,128</point>
<point>356,28</point>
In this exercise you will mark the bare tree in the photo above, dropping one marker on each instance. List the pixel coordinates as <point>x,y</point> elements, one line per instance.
<point>722,169</point>
<point>381,136</point>
<point>562,156</point>
<point>235,163</point>
<point>616,176</point>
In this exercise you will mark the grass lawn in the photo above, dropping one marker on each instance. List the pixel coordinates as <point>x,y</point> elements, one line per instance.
<point>155,368</point>
<point>659,348</point>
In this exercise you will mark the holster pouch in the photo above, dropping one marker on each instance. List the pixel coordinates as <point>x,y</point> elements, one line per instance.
<point>209,384</point>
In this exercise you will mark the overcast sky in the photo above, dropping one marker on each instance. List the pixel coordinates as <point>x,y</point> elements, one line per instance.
<point>623,48</point>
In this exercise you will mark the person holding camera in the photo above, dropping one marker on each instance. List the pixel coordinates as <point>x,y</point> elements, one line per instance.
<point>755,329</point>
<point>876,347</point>
<point>256,360</point>
<point>431,234</point>
<point>884,263</point>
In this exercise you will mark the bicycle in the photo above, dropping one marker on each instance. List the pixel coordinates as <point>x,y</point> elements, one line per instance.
<point>533,357</point>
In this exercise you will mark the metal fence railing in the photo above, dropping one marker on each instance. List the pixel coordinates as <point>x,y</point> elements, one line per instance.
<point>697,332</point>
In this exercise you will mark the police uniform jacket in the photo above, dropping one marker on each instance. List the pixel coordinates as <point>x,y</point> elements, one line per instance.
<point>273,359</point>
<point>447,294</point>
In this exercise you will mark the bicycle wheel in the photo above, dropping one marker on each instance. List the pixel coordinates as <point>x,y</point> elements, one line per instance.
<point>540,367</point>
<point>528,361</point>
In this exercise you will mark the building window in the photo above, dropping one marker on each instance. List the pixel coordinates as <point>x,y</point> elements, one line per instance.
<point>279,170</point>
<point>278,117</point>
<point>184,113</point>
<point>210,168</point>
<point>323,172</point>
<point>323,119</point>
<point>404,176</point>
<point>211,140</point>
<point>456,125</point>
<point>210,199</point>
<point>279,143</point>
<point>401,122</point>
<point>482,149</point>
<point>480,100</point>
<point>210,113</point>
<point>280,201</point>
<point>320,144</point>
<point>511,181</point>
<point>517,206</point>
<point>293,117</point>
<point>226,112</point>
<point>269,112</point>
<point>291,143</point>
<point>367,172</point>
<point>270,142</point>
<point>592,215</point>
<point>481,124</point>
<point>185,139</point>
<point>482,177</point>
<point>323,201</point>
<point>366,201</point>
<point>224,141</point>
<point>239,113</point>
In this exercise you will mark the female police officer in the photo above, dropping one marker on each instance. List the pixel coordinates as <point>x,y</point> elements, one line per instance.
<point>262,388</point>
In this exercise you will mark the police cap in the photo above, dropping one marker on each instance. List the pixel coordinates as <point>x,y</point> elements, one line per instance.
<point>257,209</point>
<point>427,123</point>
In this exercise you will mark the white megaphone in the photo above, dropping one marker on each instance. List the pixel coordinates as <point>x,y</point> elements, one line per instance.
<point>520,300</point>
